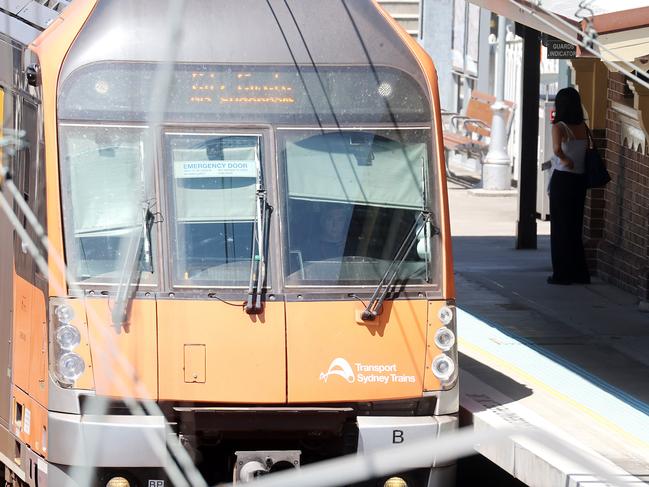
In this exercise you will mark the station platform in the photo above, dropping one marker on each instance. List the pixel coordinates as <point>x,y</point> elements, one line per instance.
<point>570,360</point>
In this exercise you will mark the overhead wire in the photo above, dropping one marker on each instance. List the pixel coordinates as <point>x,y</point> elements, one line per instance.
<point>146,407</point>
<point>584,5</point>
<point>11,142</point>
<point>367,465</point>
<point>6,181</point>
<point>159,102</point>
<point>588,44</point>
<point>104,353</point>
<point>159,99</point>
<point>38,257</point>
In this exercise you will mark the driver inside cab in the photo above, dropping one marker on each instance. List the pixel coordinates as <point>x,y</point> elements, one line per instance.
<point>330,234</point>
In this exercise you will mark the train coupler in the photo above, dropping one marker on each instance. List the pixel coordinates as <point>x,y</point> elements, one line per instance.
<point>252,464</point>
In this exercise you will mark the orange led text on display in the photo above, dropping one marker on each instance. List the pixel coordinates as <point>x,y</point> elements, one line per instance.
<point>204,84</point>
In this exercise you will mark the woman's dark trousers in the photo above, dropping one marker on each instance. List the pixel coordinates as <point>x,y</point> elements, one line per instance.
<point>567,196</point>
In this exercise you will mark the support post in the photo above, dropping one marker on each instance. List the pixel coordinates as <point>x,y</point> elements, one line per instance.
<point>526,226</point>
<point>485,54</point>
<point>496,166</point>
<point>590,75</point>
<point>439,44</point>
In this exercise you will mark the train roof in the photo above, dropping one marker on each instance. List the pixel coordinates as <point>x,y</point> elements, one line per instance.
<point>243,32</point>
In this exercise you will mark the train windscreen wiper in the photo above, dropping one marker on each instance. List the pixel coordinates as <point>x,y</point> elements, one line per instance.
<point>373,307</point>
<point>138,258</point>
<point>259,246</point>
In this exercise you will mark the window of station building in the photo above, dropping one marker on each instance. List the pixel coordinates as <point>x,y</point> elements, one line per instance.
<point>628,95</point>
<point>466,30</point>
<point>2,118</point>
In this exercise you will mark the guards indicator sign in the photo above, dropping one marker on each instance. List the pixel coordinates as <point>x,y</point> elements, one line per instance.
<point>558,49</point>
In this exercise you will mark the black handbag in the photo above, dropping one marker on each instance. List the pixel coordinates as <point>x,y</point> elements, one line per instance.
<point>596,174</point>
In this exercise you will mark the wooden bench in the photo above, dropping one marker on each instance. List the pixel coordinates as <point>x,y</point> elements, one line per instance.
<point>470,133</point>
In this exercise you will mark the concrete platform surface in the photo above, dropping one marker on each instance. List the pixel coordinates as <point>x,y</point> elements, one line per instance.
<point>572,360</point>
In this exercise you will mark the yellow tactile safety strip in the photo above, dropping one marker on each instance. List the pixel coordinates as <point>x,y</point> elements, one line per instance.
<point>489,358</point>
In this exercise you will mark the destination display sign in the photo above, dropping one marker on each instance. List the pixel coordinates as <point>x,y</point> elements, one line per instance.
<point>239,88</point>
<point>236,93</point>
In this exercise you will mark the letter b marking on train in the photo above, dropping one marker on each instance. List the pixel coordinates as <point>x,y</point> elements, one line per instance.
<point>397,437</point>
<point>156,483</point>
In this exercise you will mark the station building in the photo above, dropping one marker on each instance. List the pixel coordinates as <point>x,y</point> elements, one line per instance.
<point>617,216</point>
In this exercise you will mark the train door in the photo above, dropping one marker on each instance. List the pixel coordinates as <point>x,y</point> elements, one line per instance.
<point>6,277</point>
<point>210,347</point>
<point>30,308</point>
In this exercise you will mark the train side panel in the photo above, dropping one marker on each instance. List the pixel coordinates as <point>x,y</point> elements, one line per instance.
<point>6,287</point>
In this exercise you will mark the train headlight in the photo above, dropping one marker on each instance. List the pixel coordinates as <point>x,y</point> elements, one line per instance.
<point>445,315</point>
<point>70,366</point>
<point>395,482</point>
<point>118,482</point>
<point>69,359</point>
<point>443,367</point>
<point>444,338</point>
<point>68,337</point>
<point>64,313</point>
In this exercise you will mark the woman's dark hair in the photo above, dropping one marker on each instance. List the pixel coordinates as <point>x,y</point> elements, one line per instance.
<point>567,104</point>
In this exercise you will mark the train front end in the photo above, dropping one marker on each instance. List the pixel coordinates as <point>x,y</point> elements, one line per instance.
<point>255,224</point>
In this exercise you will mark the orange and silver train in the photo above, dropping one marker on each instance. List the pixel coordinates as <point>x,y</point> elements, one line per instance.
<point>250,200</point>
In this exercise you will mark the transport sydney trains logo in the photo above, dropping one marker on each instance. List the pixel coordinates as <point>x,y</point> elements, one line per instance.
<point>365,373</point>
<point>340,367</point>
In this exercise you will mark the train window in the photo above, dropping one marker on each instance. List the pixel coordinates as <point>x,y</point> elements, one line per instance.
<point>351,198</point>
<point>213,180</point>
<point>26,156</point>
<point>104,197</point>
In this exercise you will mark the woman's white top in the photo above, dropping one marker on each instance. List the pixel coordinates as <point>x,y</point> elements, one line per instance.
<point>574,149</point>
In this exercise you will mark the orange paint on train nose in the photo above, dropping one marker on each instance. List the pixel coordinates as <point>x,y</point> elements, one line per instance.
<point>213,352</point>
<point>334,356</point>
<point>124,363</point>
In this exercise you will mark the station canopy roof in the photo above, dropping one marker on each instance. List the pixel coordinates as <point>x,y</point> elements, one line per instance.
<point>622,25</point>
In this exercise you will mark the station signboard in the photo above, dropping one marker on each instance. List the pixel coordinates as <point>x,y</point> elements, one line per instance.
<point>559,49</point>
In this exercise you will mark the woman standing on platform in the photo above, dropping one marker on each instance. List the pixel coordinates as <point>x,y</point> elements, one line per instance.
<point>568,190</point>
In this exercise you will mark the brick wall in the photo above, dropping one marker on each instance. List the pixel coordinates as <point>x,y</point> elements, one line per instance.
<point>594,211</point>
<point>617,217</point>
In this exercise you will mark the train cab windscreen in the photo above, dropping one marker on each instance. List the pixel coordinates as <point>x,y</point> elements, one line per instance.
<point>351,199</point>
<point>213,181</point>
<point>349,196</point>
<point>105,195</point>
